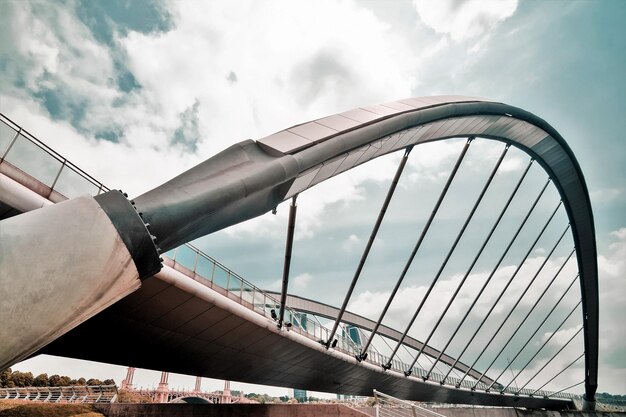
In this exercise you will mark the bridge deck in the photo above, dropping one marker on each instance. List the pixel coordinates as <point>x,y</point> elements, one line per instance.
<point>179,324</point>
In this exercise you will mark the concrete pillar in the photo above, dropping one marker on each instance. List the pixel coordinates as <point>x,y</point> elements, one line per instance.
<point>226,397</point>
<point>61,264</point>
<point>127,383</point>
<point>163,388</point>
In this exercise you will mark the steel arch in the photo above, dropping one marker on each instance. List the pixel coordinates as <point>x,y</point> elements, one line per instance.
<point>251,178</point>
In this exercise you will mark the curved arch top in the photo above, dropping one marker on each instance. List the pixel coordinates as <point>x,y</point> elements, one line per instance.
<point>251,178</point>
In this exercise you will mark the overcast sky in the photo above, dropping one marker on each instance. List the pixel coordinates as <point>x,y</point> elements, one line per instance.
<point>138,92</point>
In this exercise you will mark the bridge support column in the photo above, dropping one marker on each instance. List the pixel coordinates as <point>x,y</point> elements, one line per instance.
<point>127,383</point>
<point>64,263</point>
<point>163,389</point>
<point>588,405</point>
<point>226,397</point>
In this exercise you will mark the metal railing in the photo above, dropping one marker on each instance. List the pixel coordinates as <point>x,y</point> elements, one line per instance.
<point>69,394</point>
<point>193,262</point>
<point>203,268</point>
<point>29,161</point>
<point>58,179</point>
<point>388,406</point>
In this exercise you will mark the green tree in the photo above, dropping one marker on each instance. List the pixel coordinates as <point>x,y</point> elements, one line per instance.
<point>65,381</point>
<point>5,377</point>
<point>41,380</point>
<point>54,380</point>
<point>94,381</point>
<point>22,379</point>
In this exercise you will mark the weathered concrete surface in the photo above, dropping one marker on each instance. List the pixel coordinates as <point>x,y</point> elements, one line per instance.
<point>312,410</point>
<point>513,412</point>
<point>228,410</point>
<point>60,265</point>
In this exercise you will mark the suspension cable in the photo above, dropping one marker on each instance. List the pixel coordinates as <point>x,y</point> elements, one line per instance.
<point>471,267</point>
<point>553,357</point>
<point>538,327</point>
<point>493,306</point>
<point>416,247</point>
<point>517,303</point>
<point>449,254</point>
<point>546,342</point>
<point>562,370</point>
<point>458,289</point>
<point>565,389</point>
<point>370,242</point>
<point>491,275</point>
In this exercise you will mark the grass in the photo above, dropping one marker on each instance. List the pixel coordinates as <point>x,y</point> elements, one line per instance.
<point>31,409</point>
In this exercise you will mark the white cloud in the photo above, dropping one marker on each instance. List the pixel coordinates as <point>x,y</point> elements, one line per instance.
<point>466,19</point>
<point>350,243</point>
<point>612,270</point>
<point>612,282</point>
<point>301,281</point>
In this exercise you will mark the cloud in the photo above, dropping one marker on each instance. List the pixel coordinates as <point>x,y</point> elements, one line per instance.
<point>301,281</point>
<point>408,298</point>
<point>464,19</point>
<point>351,243</point>
<point>612,271</point>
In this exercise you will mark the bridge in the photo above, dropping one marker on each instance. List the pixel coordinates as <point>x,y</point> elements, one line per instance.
<point>164,394</point>
<point>111,286</point>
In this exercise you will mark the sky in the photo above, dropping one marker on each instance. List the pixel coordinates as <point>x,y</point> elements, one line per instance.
<point>138,92</point>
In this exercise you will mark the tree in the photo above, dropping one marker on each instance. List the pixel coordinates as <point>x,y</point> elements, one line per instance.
<point>65,381</point>
<point>41,380</point>
<point>108,382</point>
<point>54,380</point>
<point>94,381</point>
<point>5,377</point>
<point>22,379</point>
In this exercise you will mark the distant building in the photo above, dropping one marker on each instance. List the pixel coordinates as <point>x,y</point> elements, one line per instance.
<point>354,334</point>
<point>301,319</point>
<point>354,398</point>
<point>300,395</point>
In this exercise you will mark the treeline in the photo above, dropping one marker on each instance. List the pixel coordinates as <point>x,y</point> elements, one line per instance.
<point>610,396</point>
<point>12,379</point>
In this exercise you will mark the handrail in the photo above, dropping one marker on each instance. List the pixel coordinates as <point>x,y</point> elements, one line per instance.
<point>398,401</point>
<point>19,131</point>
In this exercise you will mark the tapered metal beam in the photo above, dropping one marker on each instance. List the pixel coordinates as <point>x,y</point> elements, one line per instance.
<point>288,248</point>
<point>370,242</point>
<point>547,340</point>
<point>458,288</point>
<point>433,213</point>
<point>532,281</point>
<point>519,266</point>
<point>447,258</point>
